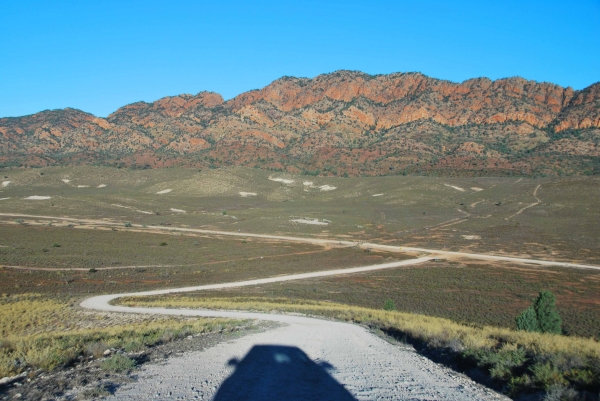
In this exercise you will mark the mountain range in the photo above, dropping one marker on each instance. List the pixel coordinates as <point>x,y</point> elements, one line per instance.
<point>345,123</point>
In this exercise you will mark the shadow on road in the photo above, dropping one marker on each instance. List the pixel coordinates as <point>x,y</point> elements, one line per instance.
<point>274,372</point>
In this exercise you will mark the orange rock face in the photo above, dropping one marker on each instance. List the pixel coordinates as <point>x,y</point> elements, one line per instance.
<point>345,122</point>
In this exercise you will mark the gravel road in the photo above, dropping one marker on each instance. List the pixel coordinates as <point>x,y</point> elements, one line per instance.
<point>304,359</point>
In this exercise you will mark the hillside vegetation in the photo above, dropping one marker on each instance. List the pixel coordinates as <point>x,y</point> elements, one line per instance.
<point>338,124</point>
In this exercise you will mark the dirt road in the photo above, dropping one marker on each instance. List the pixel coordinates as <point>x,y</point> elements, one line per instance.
<point>304,359</point>
<point>316,241</point>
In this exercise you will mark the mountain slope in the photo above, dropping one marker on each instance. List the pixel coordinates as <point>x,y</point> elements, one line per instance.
<point>341,123</point>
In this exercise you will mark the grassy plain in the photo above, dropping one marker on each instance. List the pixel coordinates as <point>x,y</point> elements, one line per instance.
<point>496,215</point>
<point>92,261</point>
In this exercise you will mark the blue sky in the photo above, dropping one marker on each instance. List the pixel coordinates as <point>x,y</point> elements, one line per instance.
<point>99,55</point>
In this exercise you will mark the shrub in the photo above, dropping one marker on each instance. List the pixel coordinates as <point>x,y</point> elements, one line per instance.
<point>118,363</point>
<point>389,305</point>
<point>527,320</point>
<point>96,349</point>
<point>95,393</point>
<point>163,244</point>
<point>128,224</point>
<point>134,345</point>
<point>224,212</point>
<point>542,316</point>
<point>55,245</point>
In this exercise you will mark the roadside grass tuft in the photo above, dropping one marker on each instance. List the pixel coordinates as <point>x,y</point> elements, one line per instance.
<point>118,363</point>
<point>94,393</point>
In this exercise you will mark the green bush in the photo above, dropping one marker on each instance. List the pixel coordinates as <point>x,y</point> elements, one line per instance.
<point>389,305</point>
<point>527,320</point>
<point>542,316</point>
<point>118,363</point>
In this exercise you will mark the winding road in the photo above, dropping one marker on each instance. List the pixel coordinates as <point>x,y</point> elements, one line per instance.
<point>302,359</point>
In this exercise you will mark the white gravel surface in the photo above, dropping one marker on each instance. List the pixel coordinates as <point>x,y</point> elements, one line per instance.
<point>358,366</point>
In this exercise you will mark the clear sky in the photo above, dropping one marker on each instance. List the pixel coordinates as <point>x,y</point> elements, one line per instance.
<point>99,55</point>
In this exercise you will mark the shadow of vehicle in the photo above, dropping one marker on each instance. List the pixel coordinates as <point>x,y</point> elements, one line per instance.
<point>275,372</point>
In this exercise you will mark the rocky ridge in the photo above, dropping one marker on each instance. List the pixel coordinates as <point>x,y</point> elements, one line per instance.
<point>343,123</point>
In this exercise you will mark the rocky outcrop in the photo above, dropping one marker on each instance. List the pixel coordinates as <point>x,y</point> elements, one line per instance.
<point>583,110</point>
<point>346,122</point>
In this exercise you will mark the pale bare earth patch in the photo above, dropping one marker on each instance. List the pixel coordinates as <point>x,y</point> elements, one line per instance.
<point>476,189</point>
<point>310,184</point>
<point>378,195</point>
<point>83,186</point>
<point>327,188</point>
<point>315,222</point>
<point>247,194</point>
<point>5,183</point>
<point>476,203</point>
<point>164,191</point>
<point>65,180</point>
<point>129,207</point>
<point>455,187</point>
<point>471,237</point>
<point>101,186</point>
<point>37,197</point>
<point>178,210</point>
<point>284,180</point>
<point>4,198</point>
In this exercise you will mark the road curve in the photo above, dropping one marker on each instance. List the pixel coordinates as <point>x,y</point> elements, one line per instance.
<point>358,363</point>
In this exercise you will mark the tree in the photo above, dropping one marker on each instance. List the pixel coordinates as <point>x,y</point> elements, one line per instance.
<point>547,313</point>
<point>389,305</point>
<point>542,316</point>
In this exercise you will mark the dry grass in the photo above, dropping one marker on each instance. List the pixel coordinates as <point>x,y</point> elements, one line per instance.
<point>41,333</point>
